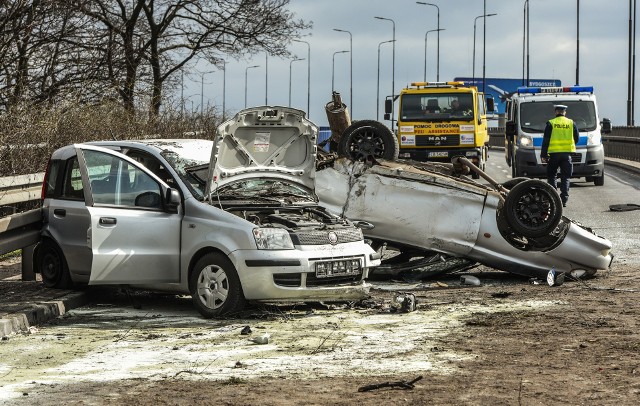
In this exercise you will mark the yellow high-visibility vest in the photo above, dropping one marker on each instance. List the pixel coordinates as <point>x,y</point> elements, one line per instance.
<point>561,135</point>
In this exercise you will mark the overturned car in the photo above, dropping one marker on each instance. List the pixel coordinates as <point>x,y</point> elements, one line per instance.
<point>430,211</point>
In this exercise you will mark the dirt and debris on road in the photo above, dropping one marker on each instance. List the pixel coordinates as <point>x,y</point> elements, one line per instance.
<point>508,341</point>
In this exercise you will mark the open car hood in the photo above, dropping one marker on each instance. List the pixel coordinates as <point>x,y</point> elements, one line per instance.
<point>276,142</point>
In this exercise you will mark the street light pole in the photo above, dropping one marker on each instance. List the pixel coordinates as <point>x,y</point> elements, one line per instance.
<point>224,89</point>
<point>308,75</point>
<point>291,63</point>
<point>378,86</point>
<point>474,44</point>
<point>527,84</point>
<point>393,70</point>
<point>578,42</point>
<point>350,67</point>
<point>438,60</point>
<point>245,83</point>
<point>266,77</point>
<point>425,49</point>
<point>333,67</point>
<point>484,47</point>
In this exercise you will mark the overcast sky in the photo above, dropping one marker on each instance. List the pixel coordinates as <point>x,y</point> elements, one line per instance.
<point>603,52</point>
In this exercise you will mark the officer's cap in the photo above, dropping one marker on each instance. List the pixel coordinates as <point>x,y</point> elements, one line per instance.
<point>560,107</point>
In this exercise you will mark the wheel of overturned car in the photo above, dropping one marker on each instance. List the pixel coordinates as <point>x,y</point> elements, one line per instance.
<point>532,208</point>
<point>52,266</point>
<point>365,140</point>
<point>215,286</point>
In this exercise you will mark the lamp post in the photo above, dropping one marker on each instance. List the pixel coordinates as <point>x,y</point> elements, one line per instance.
<point>578,42</point>
<point>378,86</point>
<point>393,68</point>
<point>438,60</point>
<point>474,44</point>
<point>308,75</point>
<point>245,82</point>
<point>291,63</point>
<point>266,77</point>
<point>525,44</point>
<point>484,47</point>
<point>224,88</point>
<point>333,67</point>
<point>425,49</point>
<point>350,67</point>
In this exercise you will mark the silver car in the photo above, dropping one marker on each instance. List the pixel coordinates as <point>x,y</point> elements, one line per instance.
<point>226,221</point>
<point>422,209</point>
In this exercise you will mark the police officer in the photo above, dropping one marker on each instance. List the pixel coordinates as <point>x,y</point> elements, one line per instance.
<point>560,138</point>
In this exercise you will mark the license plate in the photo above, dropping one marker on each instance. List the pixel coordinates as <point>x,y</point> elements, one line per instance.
<point>438,154</point>
<point>327,269</point>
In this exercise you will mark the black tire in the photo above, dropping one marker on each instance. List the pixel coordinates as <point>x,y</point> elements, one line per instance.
<point>366,140</point>
<point>52,266</point>
<point>532,208</point>
<point>215,286</point>
<point>599,180</point>
<point>509,184</point>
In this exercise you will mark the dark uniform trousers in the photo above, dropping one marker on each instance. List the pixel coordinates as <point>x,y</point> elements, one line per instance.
<point>560,160</point>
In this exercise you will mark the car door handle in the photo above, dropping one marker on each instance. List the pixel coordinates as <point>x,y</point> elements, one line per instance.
<point>107,221</point>
<point>59,212</point>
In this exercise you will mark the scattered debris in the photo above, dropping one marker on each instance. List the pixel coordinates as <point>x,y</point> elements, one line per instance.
<point>404,302</point>
<point>263,339</point>
<point>246,331</point>
<point>470,280</point>
<point>624,207</point>
<point>555,278</point>
<point>501,295</point>
<point>398,384</point>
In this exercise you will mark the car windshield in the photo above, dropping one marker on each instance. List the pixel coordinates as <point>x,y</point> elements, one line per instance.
<point>534,115</point>
<point>437,107</point>
<point>191,166</point>
<point>265,190</point>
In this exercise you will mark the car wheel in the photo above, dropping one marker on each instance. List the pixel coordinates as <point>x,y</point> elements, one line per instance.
<point>365,140</point>
<point>509,184</point>
<point>532,208</point>
<point>52,266</point>
<point>215,286</point>
<point>599,180</point>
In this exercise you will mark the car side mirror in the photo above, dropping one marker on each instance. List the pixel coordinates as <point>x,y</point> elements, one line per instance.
<point>491,105</point>
<point>510,129</point>
<point>606,126</point>
<point>388,106</point>
<point>387,116</point>
<point>172,197</point>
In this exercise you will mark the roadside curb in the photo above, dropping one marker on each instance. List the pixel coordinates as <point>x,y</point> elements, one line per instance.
<point>35,313</point>
<point>624,164</point>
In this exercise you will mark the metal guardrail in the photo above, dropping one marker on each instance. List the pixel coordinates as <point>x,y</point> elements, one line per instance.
<point>21,188</point>
<point>20,230</point>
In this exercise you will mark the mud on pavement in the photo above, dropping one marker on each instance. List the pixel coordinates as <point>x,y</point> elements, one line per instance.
<point>505,342</point>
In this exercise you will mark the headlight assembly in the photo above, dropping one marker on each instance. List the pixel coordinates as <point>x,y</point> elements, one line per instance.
<point>525,141</point>
<point>272,239</point>
<point>594,138</point>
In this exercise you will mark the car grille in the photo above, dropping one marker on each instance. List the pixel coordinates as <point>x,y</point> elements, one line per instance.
<point>576,157</point>
<point>321,237</point>
<point>437,141</point>
<point>294,280</point>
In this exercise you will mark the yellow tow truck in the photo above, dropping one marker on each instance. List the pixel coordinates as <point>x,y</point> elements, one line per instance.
<point>440,120</point>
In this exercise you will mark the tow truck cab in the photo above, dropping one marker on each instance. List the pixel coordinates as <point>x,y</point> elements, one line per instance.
<point>440,120</point>
<point>527,113</point>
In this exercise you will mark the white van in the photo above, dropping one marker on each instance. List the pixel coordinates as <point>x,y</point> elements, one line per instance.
<point>527,113</point>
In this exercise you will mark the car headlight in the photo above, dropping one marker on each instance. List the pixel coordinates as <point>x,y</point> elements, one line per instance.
<point>594,139</point>
<point>272,239</point>
<point>525,141</point>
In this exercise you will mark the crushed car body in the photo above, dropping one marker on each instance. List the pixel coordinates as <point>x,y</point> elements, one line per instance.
<point>426,206</point>
<point>226,221</point>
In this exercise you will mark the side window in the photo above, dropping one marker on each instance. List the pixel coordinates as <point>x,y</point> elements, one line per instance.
<point>481,105</point>
<point>115,181</point>
<point>72,186</point>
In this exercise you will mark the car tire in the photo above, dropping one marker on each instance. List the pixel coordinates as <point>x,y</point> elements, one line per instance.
<point>532,208</point>
<point>52,266</point>
<point>509,184</point>
<point>599,180</point>
<point>215,286</point>
<point>365,140</point>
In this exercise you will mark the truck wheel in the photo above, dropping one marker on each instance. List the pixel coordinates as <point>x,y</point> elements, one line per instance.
<point>215,286</point>
<point>368,139</point>
<point>599,180</point>
<point>52,266</point>
<point>532,208</point>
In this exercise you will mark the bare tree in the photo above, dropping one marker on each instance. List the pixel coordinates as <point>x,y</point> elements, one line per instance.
<point>181,31</point>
